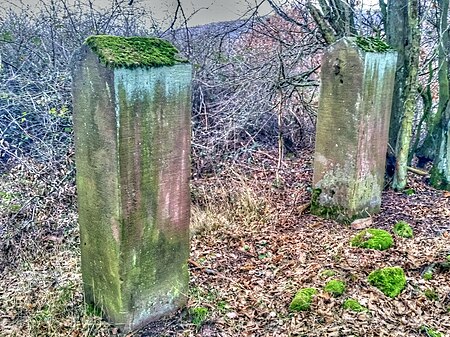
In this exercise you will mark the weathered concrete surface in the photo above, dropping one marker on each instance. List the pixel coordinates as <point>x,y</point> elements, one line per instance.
<point>132,138</point>
<point>352,131</point>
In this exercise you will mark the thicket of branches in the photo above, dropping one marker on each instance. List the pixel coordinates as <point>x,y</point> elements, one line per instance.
<point>36,47</point>
<point>254,86</point>
<point>255,79</point>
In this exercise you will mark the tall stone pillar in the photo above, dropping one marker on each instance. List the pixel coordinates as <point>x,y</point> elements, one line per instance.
<point>352,131</point>
<point>132,104</point>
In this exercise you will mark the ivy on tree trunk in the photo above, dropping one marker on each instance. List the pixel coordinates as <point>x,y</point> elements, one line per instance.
<point>411,66</point>
<point>440,173</point>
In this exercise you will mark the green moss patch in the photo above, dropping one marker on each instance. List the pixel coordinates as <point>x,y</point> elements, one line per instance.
<point>372,44</point>
<point>430,332</point>
<point>428,275</point>
<point>330,212</point>
<point>353,305</point>
<point>409,191</point>
<point>403,229</point>
<point>302,299</point>
<point>431,294</point>
<point>438,179</point>
<point>390,280</point>
<point>320,210</point>
<point>132,52</point>
<point>335,287</point>
<point>373,238</point>
<point>198,315</point>
<point>327,273</point>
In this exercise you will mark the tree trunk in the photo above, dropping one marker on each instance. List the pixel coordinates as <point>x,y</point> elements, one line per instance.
<point>427,102</point>
<point>396,24</point>
<point>440,174</point>
<point>325,29</point>
<point>430,146</point>
<point>411,67</point>
<point>335,18</point>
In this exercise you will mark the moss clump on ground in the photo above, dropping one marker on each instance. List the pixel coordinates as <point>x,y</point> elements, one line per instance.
<point>403,229</point>
<point>329,212</point>
<point>335,287</point>
<point>431,295</point>
<point>198,315</point>
<point>302,299</point>
<point>390,280</point>
<point>132,52</point>
<point>372,44</point>
<point>438,179</point>
<point>353,305</point>
<point>409,191</point>
<point>327,273</point>
<point>373,238</point>
<point>428,275</point>
<point>430,332</point>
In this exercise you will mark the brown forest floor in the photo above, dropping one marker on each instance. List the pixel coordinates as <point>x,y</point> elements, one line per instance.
<point>254,245</point>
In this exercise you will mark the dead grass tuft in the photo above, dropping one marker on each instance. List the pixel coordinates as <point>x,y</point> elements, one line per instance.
<point>226,206</point>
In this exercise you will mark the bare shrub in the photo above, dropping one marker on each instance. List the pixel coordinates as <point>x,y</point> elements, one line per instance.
<point>36,50</point>
<point>255,86</point>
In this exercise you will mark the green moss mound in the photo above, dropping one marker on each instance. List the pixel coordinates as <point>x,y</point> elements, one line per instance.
<point>403,229</point>
<point>373,238</point>
<point>132,52</point>
<point>335,287</point>
<point>302,299</point>
<point>430,332</point>
<point>390,280</point>
<point>353,305</point>
<point>428,275</point>
<point>198,315</point>
<point>409,191</point>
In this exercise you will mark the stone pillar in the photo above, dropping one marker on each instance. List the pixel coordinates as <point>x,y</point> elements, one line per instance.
<point>132,104</point>
<point>352,131</point>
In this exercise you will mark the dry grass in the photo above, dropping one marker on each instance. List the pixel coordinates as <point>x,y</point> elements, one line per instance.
<point>226,206</point>
<point>40,281</point>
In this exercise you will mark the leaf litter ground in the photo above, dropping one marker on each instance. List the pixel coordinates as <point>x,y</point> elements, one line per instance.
<point>254,245</point>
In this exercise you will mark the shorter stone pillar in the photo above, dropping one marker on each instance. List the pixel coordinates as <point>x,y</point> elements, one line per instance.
<point>352,130</point>
<point>132,103</point>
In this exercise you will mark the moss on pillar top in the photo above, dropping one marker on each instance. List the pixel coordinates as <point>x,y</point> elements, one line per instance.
<point>132,52</point>
<point>372,44</point>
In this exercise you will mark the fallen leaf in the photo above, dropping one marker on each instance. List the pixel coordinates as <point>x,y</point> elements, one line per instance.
<point>361,223</point>
<point>303,208</point>
<point>232,315</point>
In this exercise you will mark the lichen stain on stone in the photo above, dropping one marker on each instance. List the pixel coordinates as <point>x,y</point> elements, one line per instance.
<point>159,222</point>
<point>96,182</point>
